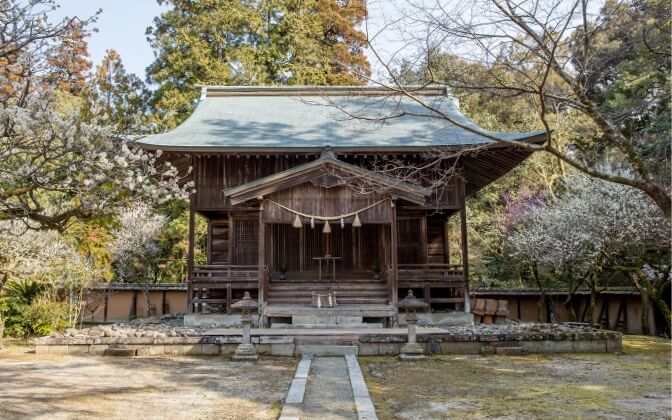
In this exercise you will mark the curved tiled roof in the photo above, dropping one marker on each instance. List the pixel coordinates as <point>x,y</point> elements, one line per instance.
<point>345,118</point>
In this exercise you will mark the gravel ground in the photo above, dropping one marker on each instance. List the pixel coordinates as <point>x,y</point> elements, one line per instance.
<point>72,387</point>
<point>633,385</point>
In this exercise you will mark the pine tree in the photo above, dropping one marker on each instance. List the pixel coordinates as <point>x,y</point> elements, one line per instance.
<point>233,42</point>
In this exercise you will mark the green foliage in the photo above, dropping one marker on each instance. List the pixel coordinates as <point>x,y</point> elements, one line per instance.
<point>26,310</point>
<point>116,98</point>
<point>225,42</point>
<point>630,67</point>
<point>42,317</point>
<point>23,291</point>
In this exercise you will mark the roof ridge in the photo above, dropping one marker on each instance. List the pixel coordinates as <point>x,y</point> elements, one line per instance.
<point>211,91</point>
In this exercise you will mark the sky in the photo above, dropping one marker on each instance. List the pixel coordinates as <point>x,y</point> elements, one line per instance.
<point>122,24</point>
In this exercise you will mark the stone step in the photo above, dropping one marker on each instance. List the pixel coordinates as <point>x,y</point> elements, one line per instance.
<point>315,350</point>
<point>328,326</point>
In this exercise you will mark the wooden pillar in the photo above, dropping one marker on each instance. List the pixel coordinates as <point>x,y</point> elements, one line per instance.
<point>465,247</point>
<point>262,254</point>
<point>446,240</point>
<point>190,251</point>
<point>163,302</point>
<point>394,254</point>
<point>107,294</point>
<point>133,313</point>
<point>518,312</point>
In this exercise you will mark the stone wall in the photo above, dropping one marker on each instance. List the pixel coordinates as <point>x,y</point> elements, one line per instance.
<point>532,338</point>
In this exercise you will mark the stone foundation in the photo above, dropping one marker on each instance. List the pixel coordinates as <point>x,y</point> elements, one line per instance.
<point>216,320</point>
<point>532,338</point>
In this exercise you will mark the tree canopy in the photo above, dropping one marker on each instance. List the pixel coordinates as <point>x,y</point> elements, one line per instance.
<point>226,42</point>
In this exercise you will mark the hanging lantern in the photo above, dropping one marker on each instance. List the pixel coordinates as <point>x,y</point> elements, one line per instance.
<point>327,228</point>
<point>342,223</point>
<point>356,222</point>
<point>297,222</point>
<point>312,223</point>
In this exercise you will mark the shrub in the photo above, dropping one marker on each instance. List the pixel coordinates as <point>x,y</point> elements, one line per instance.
<point>27,312</point>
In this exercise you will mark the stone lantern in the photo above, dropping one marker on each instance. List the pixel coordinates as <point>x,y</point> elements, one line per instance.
<point>246,350</point>
<point>411,350</point>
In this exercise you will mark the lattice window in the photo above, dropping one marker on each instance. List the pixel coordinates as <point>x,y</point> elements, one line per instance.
<point>246,240</point>
<point>410,241</point>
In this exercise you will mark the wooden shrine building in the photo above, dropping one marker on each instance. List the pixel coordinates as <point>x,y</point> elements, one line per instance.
<point>308,191</point>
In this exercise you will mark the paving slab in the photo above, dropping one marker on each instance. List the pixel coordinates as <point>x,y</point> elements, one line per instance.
<point>293,406</point>
<point>365,408</point>
<point>329,394</point>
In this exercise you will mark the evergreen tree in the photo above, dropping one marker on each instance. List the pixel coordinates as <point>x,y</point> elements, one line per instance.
<point>116,98</point>
<point>233,42</point>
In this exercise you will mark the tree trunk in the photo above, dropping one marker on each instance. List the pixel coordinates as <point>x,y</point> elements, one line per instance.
<point>542,293</point>
<point>646,308</point>
<point>664,309</point>
<point>591,307</point>
<point>145,293</point>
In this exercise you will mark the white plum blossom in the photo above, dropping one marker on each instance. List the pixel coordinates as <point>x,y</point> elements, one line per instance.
<point>55,168</point>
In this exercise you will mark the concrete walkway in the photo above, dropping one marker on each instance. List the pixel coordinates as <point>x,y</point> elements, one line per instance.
<point>328,394</point>
<point>334,389</point>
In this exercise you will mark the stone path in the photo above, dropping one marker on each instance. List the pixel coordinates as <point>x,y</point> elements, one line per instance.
<point>328,387</point>
<point>328,393</point>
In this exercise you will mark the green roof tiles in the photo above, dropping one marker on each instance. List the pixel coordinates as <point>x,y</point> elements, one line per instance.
<point>261,118</point>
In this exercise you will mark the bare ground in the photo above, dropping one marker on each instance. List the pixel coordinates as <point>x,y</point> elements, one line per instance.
<point>633,385</point>
<point>69,387</point>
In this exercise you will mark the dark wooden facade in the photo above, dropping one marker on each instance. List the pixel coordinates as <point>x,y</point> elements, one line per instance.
<point>249,241</point>
<point>259,157</point>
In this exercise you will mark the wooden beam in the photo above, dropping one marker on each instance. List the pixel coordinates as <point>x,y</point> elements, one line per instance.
<point>209,242</point>
<point>190,251</point>
<point>133,313</point>
<point>446,240</point>
<point>262,255</point>
<point>394,254</point>
<point>163,302</point>
<point>107,293</point>
<point>465,247</point>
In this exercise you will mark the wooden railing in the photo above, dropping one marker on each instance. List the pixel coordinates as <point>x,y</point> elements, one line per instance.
<point>225,273</point>
<point>430,273</point>
<point>224,278</point>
